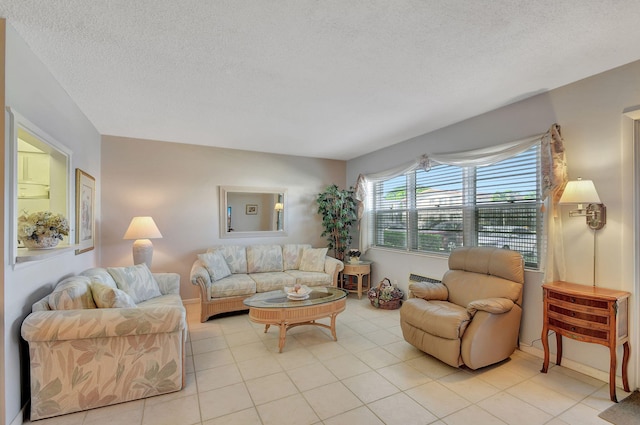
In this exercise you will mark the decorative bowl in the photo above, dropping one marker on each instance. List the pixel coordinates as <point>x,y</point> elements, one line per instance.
<point>302,293</point>
<point>43,242</point>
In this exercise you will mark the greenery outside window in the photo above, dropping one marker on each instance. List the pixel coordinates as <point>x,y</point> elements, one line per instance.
<point>449,206</point>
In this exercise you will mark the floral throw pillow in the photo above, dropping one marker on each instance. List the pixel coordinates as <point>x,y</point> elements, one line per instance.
<point>108,297</point>
<point>313,259</point>
<point>137,281</point>
<point>72,293</point>
<point>292,254</point>
<point>215,264</point>
<point>264,258</point>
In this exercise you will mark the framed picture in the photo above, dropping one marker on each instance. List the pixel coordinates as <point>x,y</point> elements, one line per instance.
<point>85,211</point>
<point>252,209</point>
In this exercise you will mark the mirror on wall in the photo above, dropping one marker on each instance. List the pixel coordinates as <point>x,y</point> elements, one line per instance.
<point>252,211</point>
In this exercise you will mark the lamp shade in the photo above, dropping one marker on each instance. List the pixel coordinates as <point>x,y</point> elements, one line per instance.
<point>142,228</point>
<point>279,206</point>
<point>580,192</point>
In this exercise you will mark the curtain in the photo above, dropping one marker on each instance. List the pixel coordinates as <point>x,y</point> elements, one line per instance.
<point>553,179</point>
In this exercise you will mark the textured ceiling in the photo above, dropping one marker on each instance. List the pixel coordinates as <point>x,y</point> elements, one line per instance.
<point>331,79</point>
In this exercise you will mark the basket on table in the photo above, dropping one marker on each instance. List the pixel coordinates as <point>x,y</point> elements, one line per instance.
<point>385,295</point>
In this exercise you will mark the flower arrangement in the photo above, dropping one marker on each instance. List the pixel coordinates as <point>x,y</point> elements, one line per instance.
<point>386,295</point>
<point>354,252</point>
<point>43,227</point>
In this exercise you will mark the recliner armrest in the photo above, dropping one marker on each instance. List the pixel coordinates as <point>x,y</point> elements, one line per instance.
<point>429,291</point>
<point>490,305</point>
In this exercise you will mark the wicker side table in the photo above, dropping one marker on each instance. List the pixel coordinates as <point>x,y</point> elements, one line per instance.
<point>361,271</point>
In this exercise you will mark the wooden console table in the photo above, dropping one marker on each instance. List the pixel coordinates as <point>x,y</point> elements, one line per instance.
<point>588,314</point>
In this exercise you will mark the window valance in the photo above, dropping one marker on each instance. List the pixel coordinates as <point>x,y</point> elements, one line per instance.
<point>553,177</point>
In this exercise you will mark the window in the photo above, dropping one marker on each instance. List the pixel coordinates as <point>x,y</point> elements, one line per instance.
<point>451,206</point>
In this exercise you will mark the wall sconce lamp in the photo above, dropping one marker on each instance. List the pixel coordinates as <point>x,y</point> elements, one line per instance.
<point>583,192</point>
<point>142,229</point>
<point>279,207</point>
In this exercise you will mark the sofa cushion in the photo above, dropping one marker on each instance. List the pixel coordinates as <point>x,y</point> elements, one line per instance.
<point>71,294</point>
<point>270,281</point>
<point>232,286</point>
<point>313,260</point>
<point>99,274</point>
<point>108,297</point>
<point>234,255</point>
<point>137,281</point>
<point>439,318</point>
<point>171,300</point>
<point>215,264</point>
<point>264,258</point>
<point>292,254</point>
<point>311,278</point>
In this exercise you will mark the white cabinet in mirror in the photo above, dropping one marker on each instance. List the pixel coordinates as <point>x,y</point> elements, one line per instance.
<point>247,211</point>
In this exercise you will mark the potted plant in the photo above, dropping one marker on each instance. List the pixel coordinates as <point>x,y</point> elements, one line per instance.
<point>339,212</point>
<point>354,255</point>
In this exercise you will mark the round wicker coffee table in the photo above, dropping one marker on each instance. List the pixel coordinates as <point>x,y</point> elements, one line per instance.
<point>274,308</point>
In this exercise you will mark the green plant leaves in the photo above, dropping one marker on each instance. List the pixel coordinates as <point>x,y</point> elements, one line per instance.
<point>339,212</point>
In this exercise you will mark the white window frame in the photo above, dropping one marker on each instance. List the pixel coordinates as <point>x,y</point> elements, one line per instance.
<point>469,210</point>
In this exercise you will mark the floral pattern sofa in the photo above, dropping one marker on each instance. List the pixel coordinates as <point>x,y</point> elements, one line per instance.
<point>103,337</point>
<point>228,274</point>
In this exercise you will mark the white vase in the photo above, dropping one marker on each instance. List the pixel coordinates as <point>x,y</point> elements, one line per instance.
<point>43,242</point>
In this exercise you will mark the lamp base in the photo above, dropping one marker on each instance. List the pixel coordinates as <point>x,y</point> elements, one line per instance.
<point>142,252</point>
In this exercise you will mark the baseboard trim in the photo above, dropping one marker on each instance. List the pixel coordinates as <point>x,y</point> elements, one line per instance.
<point>570,364</point>
<point>19,420</point>
<point>191,301</point>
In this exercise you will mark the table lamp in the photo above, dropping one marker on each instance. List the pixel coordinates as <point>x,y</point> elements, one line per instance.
<point>142,229</point>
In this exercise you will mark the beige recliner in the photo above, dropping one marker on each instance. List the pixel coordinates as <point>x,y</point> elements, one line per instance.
<point>472,318</point>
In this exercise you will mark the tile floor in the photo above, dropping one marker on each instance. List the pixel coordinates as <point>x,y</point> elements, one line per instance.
<point>369,376</point>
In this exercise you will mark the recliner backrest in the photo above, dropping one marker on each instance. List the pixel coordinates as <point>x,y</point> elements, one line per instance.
<point>484,272</point>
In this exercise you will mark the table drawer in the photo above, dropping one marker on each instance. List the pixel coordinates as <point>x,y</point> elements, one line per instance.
<point>587,302</point>
<point>575,314</point>
<point>577,332</point>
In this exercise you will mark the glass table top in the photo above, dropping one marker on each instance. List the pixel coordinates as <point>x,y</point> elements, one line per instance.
<point>278,299</point>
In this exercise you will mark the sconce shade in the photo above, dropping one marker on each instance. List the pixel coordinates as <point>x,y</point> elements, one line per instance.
<point>279,206</point>
<point>142,228</point>
<point>580,192</point>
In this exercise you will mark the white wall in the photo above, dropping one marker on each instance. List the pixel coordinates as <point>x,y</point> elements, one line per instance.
<point>33,92</point>
<point>178,185</point>
<point>598,147</point>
